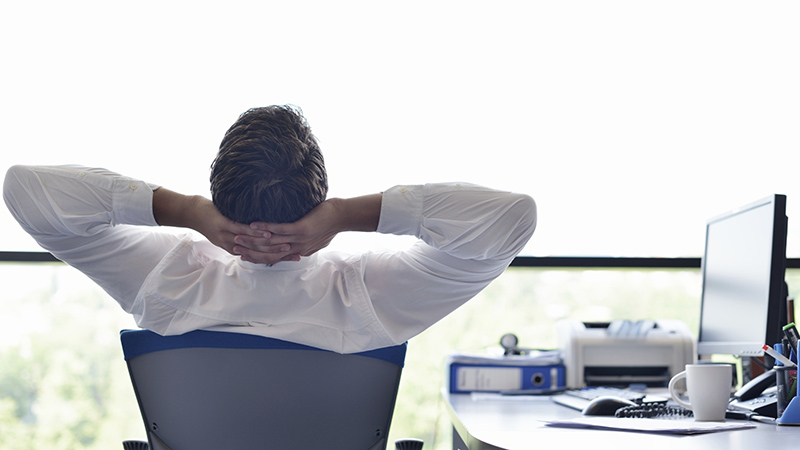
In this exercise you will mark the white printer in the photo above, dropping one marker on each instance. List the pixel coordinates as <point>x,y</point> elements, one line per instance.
<point>624,352</point>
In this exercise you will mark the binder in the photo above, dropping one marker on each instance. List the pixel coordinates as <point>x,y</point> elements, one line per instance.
<point>506,373</point>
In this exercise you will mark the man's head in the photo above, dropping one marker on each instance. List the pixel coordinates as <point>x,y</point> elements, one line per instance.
<point>269,168</point>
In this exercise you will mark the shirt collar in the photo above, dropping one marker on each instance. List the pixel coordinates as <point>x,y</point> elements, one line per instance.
<point>281,266</point>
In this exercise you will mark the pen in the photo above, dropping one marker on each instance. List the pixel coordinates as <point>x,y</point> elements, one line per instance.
<point>791,333</point>
<point>786,361</point>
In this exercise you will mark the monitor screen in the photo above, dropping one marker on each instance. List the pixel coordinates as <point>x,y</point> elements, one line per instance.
<point>743,273</point>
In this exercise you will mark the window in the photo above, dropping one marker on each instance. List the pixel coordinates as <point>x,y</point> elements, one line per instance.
<point>631,123</point>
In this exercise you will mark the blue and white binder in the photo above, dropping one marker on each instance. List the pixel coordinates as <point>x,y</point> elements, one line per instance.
<point>541,371</point>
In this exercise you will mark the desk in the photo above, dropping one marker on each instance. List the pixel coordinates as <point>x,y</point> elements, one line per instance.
<point>486,423</point>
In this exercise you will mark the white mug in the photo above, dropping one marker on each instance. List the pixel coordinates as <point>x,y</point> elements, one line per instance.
<point>709,390</point>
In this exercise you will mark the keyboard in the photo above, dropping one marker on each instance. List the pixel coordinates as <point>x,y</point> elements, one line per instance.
<point>579,398</point>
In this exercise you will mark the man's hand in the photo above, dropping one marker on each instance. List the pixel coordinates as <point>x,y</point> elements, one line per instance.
<point>313,232</point>
<point>222,232</point>
<point>198,213</point>
<point>268,243</point>
<point>305,237</point>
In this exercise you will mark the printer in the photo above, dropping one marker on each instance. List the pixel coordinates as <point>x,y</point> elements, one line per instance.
<point>623,352</point>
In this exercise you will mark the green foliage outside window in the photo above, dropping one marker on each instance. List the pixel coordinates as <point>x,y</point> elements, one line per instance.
<point>64,384</point>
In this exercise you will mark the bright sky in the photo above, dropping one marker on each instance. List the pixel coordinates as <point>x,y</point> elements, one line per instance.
<point>630,122</point>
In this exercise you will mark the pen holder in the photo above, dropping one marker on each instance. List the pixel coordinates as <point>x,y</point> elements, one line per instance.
<point>786,382</point>
<point>791,415</point>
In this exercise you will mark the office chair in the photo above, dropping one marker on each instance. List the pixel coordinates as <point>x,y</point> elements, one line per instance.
<point>215,390</point>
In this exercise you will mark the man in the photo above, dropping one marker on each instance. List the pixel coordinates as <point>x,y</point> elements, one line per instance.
<point>261,270</point>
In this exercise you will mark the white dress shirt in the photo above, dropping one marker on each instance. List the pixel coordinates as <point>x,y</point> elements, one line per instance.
<point>102,224</point>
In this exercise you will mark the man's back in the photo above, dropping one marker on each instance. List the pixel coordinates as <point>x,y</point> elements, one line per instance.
<point>102,223</point>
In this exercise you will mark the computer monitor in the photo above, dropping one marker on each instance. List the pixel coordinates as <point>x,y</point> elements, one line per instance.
<point>743,269</point>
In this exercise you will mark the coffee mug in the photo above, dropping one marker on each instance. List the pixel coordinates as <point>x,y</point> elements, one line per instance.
<point>709,389</point>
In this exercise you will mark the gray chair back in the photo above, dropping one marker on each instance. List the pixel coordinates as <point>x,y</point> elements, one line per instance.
<point>214,390</point>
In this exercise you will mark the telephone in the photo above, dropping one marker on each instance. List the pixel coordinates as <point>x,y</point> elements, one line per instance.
<point>510,344</point>
<point>758,396</point>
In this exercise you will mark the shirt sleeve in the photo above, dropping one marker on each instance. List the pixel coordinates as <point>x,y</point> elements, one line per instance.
<point>52,201</point>
<point>463,220</point>
<point>468,236</point>
<point>85,217</point>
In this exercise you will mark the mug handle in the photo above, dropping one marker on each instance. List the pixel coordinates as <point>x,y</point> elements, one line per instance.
<point>672,392</point>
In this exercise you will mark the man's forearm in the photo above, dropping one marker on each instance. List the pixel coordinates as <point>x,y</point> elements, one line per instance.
<point>173,209</point>
<point>199,213</point>
<point>359,213</point>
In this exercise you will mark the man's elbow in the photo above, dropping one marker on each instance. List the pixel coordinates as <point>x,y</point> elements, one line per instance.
<point>526,217</point>
<point>11,180</point>
<point>12,188</point>
<point>526,208</point>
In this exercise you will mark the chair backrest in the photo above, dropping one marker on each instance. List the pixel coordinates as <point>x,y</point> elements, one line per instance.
<point>215,390</point>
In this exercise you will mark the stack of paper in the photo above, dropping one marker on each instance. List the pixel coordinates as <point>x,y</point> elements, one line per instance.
<point>662,426</point>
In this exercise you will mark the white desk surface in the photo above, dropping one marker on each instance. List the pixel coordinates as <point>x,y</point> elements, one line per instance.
<point>515,423</point>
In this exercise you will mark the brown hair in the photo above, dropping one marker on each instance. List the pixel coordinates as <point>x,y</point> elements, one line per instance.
<point>269,167</point>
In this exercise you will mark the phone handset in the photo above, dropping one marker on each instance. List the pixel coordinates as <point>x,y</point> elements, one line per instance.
<point>756,386</point>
